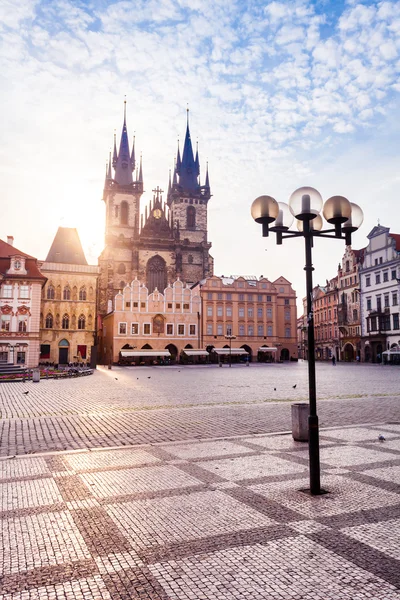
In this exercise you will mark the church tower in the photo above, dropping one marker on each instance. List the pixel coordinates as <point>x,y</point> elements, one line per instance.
<point>188,200</point>
<point>121,195</point>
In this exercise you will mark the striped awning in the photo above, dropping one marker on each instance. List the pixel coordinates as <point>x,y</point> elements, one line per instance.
<point>232,351</point>
<point>265,349</point>
<point>133,353</point>
<point>192,352</point>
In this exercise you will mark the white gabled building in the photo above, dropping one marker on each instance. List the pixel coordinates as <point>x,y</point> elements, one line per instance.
<point>380,292</point>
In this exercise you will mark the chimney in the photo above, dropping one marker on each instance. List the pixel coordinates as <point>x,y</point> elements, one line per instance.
<point>10,240</point>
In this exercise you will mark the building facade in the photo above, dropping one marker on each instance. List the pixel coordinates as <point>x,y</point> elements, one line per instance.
<point>145,326</point>
<point>169,241</point>
<point>380,290</point>
<point>68,309</point>
<point>21,283</point>
<point>325,300</point>
<point>259,313</point>
<point>349,314</point>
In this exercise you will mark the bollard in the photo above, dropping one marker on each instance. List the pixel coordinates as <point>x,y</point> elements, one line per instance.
<point>300,412</point>
<point>35,375</point>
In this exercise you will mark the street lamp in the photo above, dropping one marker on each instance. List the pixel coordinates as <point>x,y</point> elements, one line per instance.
<point>305,204</point>
<point>230,337</point>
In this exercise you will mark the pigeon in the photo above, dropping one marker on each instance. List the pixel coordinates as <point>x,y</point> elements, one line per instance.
<point>274,389</point>
<point>381,437</point>
<point>116,379</point>
<point>26,392</point>
<point>294,386</point>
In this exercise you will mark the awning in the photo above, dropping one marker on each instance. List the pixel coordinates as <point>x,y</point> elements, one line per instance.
<point>265,349</point>
<point>132,353</point>
<point>391,353</point>
<point>191,352</point>
<point>230,351</point>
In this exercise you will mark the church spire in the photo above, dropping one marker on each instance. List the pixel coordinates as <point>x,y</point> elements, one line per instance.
<point>207,184</point>
<point>187,171</point>
<point>133,162</point>
<point>123,170</point>
<point>140,171</point>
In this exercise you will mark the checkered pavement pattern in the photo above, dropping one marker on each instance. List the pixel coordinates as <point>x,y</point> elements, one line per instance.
<point>219,519</point>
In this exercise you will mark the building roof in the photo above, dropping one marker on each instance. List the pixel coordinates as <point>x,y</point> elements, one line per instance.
<point>67,248</point>
<point>31,266</point>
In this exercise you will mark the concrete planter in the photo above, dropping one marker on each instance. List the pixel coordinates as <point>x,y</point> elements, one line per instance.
<point>300,412</point>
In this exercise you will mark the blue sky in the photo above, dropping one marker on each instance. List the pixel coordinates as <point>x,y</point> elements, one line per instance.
<point>281,94</point>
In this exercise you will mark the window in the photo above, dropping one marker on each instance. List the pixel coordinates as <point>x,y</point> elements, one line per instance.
<point>209,329</point>
<point>396,321</point>
<point>122,328</point>
<point>229,311</point>
<point>5,322</point>
<point>127,304</point>
<point>192,329</point>
<point>146,328</point>
<point>169,304</point>
<point>250,297</point>
<point>209,296</point>
<point>241,329</point>
<point>20,358</point>
<point>378,303</point>
<point>368,281</point>
<point>143,305</point>
<point>355,314</point>
<point>7,291</point>
<point>214,283</point>
<point>186,307</point>
<point>209,311</point>
<point>241,297</point>
<point>65,322</point>
<point>240,284</point>
<point>259,312</point>
<point>219,296</point>
<point>229,330</point>
<point>82,294</point>
<point>386,300</point>
<point>241,311</point>
<point>22,325</point>
<point>135,329</point>
<point>220,311</point>
<point>181,329</point>
<point>380,260</point>
<point>376,261</point>
<point>250,312</point>
<point>67,294</point>
<point>373,323</point>
<point>177,305</point>
<point>44,351</point>
<point>394,274</point>
<point>385,275</point>
<point>49,321</point>
<point>287,332</point>
<point>51,293</point>
<point>269,313</point>
<point>369,304</point>
<point>229,296</point>
<point>286,301</point>
<point>191,217</point>
<point>121,269</point>
<point>124,213</point>
<point>219,329</point>
<point>269,298</point>
<point>264,286</point>
<point>24,291</point>
<point>250,330</point>
<point>190,259</point>
<point>260,330</point>
<point>287,315</point>
<point>347,266</point>
<point>394,298</point>
<point>269,330</point>
<point>377,277</point>
<point>81,322</point>
<point>259,297</point>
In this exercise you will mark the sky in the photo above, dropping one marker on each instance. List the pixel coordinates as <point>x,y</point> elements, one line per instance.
<point>281,95</point>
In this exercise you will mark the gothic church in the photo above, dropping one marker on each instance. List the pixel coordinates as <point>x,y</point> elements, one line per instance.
<point>169,240</point>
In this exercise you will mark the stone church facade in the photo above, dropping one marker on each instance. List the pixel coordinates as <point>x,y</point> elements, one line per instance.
<point>166,242</point>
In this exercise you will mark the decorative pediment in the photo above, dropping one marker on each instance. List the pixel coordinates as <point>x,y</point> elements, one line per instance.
<point>7,310</point>
<point>23,310</point>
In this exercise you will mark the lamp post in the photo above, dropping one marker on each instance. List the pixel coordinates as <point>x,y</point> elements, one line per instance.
<point>230,337</point>
<point>305,204</point>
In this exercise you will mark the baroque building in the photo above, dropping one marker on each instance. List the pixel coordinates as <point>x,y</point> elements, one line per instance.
<point>325,301</point>
<point>68,309</point>
<point>349,318</point>
<point>21,283</point>
<point>165,243</point>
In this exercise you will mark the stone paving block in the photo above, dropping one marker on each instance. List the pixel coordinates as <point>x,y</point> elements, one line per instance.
<point>39,540</point>
<point>23,467</point>
<point>178,518</point>
<point>118,561</point>
<point>290,568</point>
<point>91,588</point>
<point>281,443</point>
<point>108,460</point>
<point>391,473</point>
<point>134,481</point>
<point>208,449</point>
<point>346,496</point>
<point>384,536</point>
<point>251,467</point>
<point>355,434</point>
<point>28,494</point>
<point>348,456</point>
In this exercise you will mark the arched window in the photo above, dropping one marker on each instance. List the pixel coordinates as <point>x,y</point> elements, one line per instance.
<point>67,293</point>
<point>90,293</point>
<point>156,274</point>
<point>49,321</point>
<point>124,213</point>
<point>51,293</point>
<point>121,269</point>
<point>81,322</point>
<point>90,321</point>
<point>65,322</point>
<point>191,217</point>
<point>22,325</point>
<point>82,294</point>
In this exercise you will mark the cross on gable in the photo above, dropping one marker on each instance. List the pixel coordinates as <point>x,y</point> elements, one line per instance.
<point>157,191</point>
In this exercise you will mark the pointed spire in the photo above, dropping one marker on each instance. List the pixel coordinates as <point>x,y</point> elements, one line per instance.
<point>207,184</point>
<point>123,174</point>
<point>140,171</point>
<point>133,162</point>
<point>188,170</point>
<point>196,160</point>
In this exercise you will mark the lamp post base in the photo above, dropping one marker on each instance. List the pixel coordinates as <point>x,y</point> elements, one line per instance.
<point>313,448</point>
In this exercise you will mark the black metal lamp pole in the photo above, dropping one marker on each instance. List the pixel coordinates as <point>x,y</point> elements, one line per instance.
<point>305,204</point>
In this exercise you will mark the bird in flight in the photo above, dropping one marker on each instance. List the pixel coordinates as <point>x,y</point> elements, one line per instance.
<point>295,385</point>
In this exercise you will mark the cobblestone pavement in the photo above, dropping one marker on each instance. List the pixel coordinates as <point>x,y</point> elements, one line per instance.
<point>126,406</point>
<point>220,519</point>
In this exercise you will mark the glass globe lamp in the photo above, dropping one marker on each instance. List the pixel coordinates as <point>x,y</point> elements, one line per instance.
<point>305,203</point>
<point>355,220</point>
<point>284,219</point>
<point>315,225</point>
<point>264,210</point>
<point>337,210</point>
